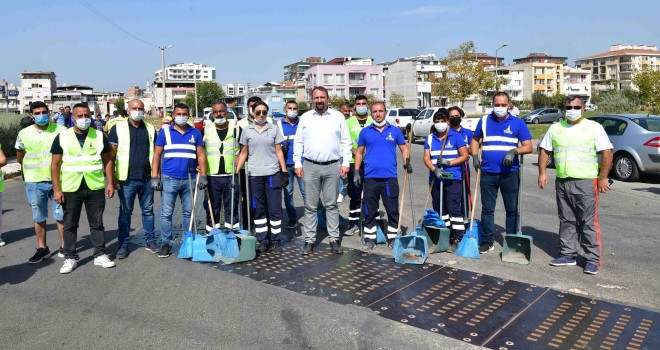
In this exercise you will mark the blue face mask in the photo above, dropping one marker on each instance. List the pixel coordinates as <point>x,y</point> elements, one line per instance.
<point>42,119</point>
<point>260,122</point>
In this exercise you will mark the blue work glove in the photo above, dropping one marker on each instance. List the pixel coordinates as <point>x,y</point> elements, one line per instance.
<point>510,157</point>
<point>156,184</point>
<point>202,182</point>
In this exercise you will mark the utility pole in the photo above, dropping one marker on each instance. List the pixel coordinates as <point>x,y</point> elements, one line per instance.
<point>495,82</point>
<point>162,50</point>
<point>195,79</point>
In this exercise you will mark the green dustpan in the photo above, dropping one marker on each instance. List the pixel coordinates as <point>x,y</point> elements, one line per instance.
<point>517,248</point>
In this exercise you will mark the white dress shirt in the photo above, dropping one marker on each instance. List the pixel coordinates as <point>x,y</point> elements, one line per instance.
<point>322,138</point>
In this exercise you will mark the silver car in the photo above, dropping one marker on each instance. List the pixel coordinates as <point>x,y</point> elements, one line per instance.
<point>543,115</point>
<point>636,140</point>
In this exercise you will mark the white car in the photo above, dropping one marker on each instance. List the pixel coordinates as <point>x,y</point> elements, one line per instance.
<point>401,118</point>
<point>423,122</point>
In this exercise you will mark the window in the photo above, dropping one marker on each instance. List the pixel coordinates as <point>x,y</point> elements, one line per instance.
<point>275,99</point>
<point>375,92</point>
<point>327,79</point>
<point>373,77</point>
<point>538,70</point>
<point>538,81</point>
<point>392,113</point>
<point>613,127</point>
<point>340,92</point>
<point>340,79</point>
<point>516,83</point>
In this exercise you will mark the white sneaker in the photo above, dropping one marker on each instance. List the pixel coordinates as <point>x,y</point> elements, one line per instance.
<point>104,261</point>
<point>69,265</point>
<point>2,243</point>
<point>60,253</point>
<point>340,198</point>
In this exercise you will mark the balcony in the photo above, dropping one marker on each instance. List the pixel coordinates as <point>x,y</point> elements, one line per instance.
<point>357,82</point>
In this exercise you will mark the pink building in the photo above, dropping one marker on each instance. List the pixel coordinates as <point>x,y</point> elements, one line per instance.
<point>345,80</point>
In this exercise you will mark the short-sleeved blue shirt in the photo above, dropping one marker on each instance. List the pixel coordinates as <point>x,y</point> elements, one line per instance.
<point>179,167</point>
<point>467,135</point>
<point>288,132</point>
<point>380,154</point>
<point>501,136</point>
<point>434,145</point>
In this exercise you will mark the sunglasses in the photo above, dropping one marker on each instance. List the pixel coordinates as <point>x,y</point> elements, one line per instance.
<point>260,113</point>
<point>573,107</point>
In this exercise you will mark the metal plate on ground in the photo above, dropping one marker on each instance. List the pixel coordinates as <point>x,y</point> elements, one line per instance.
<point>458,304</point>
<point>565,321</point>
<point>357,279</point>
<point>272,268</point>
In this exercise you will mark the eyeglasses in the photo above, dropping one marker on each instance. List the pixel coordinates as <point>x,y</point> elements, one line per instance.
<point>573,107</point>
<point>259,113</point>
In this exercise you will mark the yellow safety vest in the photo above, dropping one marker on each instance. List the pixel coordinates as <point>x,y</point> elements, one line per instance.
<point>354,129</point>
<point>79,163</point>
<point>114,121</point>
<point>36,163</point>
<point>212,145</point>
<point>124,147</point>
<point>574,149</point>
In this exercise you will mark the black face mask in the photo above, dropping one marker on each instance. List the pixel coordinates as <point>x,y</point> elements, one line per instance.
<point>455,121</point>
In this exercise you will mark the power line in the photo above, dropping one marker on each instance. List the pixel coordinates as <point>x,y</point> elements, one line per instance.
<point>93,9</point>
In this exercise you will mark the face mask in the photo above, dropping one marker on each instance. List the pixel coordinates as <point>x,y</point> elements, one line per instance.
<point>260,122</point>
<point>440,126</point>
<point>42,119</point>
<point>382,123</point>
<point>292,114</point>
<point>83,123</point>
<point>456,121</point>
<point>181,120</point>
<point>500,112</point>
<point>361,110</point>
<point>137,115</point>
<point>220,121</point>
<point>573,114</point>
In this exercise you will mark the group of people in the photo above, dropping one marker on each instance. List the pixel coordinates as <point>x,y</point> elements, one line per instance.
<point>244,167</point>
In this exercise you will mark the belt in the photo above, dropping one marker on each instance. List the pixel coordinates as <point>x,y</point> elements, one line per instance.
<point>321,163</point>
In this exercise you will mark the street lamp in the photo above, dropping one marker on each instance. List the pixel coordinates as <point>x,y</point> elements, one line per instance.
<point>498,49</point>
<point>162,77</point>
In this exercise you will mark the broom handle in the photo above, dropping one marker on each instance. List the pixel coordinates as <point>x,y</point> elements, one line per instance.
<point>405,178</point>
<point>192,214</point>
<point>208,202</point>
<point>442,149</point>
<point>476,189</point>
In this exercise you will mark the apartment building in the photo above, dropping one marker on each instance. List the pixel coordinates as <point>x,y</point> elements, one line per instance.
<point>411,77</point>
<point>488,61</point>
<point>577,82</point>
<point>36,86</point>
<point>234,89</point>
<point>538,72</point>
<point>345,80</point>
<point>180,79</point>
<point>616,67</point>
<point>9,101</point>
<point>296,71</point>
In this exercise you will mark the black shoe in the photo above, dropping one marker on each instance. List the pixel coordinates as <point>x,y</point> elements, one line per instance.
<point>291,225</point>
<point>276,248</point>
<point>453,245</point>
<point>368,245</point>
<point>165,251</point>
<point>335,247</point>
<point>122,253</point>
<point>152,247</point>
<point>390,243</point>
<point>485,248</point>
<point>39,255</point>
<point>307,248</point>
<point>263,248</point>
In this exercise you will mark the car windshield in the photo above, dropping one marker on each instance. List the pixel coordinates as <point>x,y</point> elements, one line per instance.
<point>420,115</point>
<point>649,123</point>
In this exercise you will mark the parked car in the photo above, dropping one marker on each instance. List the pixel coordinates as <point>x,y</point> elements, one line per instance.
<point>423,122</point>
<point>543,115</point>
<point>401,117</point>
<point>590,107</point>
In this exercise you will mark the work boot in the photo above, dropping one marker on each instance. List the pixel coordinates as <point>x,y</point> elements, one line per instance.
<point>453,245</point>
<point>276,248</point>
<point>263,247</point>
<point>307,248</point>
<point>335,247</point>
<point>368,245</point>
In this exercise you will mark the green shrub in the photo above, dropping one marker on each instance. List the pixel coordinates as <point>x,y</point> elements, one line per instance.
<point>10,125</point>
<point>616,101</point>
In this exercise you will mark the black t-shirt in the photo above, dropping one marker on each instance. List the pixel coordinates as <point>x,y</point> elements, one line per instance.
<point>139,167</point>
<point>56,148</point>
<point>362,122</point>
<point>222,133</point>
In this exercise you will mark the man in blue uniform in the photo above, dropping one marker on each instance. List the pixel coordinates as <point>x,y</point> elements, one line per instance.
<point>504,138</point>
<point>380,178</point>
<point>288,126</point>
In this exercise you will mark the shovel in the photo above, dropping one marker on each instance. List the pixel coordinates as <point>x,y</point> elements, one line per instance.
<point>517,248</point>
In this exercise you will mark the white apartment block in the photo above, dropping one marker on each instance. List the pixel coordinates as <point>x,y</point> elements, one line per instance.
<point>9,100</point>
<point>577,82</point>
<point>616,67</point>
<point>186,72</point>
<point>411,77</point>
<point>233,89</point>
<point>36,86</point>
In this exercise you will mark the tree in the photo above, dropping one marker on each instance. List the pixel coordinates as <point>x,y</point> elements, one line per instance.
<point>372,99</point>
<point>302,107</point>
<point>540,100</point>
<point>120,105</point>
<point>335,102</point>
<point>396,100</point>
<point>615,101</point>
<point>648,82</point>
<point>207,93</point>
<point>463,77</point>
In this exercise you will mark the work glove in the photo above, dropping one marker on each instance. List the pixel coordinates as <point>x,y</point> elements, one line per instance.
<point>438,173</point>
<point>156,184</point>
<point>357,179</point>
<point>476,163</point>
<point>285,179</point>
<point>285,152</point>
<point>510,157</point>
<point>407,166</point>
<point>202,182</point>
<point>444,162</point>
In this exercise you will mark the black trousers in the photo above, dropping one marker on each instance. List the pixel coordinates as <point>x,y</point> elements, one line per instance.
<point>266,193</point>
<point>355,193</point>
<point>244,201</point>
<point>220,193</point>
<point>452,201</point>
<point>375,190</point>
<point>94,202</point>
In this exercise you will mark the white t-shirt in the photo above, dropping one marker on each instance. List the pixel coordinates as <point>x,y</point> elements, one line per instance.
<point>602,141</point>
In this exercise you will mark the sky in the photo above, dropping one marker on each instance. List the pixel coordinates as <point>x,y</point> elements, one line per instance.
<point>251,41</point>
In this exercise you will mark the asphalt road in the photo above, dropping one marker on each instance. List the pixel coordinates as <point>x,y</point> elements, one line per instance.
<point>146,302</point>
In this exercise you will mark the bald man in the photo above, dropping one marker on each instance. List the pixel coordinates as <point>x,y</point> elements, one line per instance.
<point>132,143</point>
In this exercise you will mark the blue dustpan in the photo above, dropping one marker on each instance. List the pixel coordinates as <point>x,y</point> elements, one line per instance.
<point>412,248</point>
<point>200,251</point>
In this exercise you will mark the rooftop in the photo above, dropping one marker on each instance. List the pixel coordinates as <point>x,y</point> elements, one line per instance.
<point>624,52</point>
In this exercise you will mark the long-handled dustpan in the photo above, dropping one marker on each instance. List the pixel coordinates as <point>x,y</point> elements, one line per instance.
<point>436,231</point>
<point>517,248</point>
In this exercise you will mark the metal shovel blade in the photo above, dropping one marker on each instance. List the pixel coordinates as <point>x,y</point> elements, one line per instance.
<point>517,249</point>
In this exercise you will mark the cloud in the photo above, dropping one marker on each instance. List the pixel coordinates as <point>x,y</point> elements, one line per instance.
<point>430,10</point>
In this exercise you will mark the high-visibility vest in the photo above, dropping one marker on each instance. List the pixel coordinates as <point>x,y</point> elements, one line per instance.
<point>79,163</point>
<point>212,145</point>
<point>574,151</point>
<point>114,121</point>
<point>354,129</point>
<point>36,163</point>
<point>124,148</point>
<point>177,150</point>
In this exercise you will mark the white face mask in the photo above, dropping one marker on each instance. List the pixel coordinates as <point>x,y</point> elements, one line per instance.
<point>83,123</point>
<point>292,114</point>
<point>440,126</point>
<point>361,110</point>
<point>180,120</point>
<point>500,112</point>
<point>573,114</point>
<point>220,121</point>
<point>137,115</point>
<point>382,123</point>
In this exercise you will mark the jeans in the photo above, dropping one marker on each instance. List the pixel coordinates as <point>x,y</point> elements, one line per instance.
<point>171,189</point>
<point>127,192</point>
<point>508,184</point>
<point>38,196</point>
<point>94,202</point>
<point>321,179</point>
<point>288,193</point>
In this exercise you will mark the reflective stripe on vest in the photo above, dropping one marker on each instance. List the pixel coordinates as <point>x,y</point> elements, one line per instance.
<point>496,143</point>
<point>212,145</point>
<point>37,159</point>
<point>574,150</point>
<point>79,163</point>
<point>124,148</point>
<point>450,151</point>
<point>177,150</point>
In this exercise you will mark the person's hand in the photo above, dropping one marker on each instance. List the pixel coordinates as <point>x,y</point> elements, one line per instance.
<point>357,179</point>
<point>437,173</point>
<point>343,171</point>
<point>510,157</point>
<point>444,162</point>
<point>353,150</point>
<point>109,191</point>
<point>603,185</point>
<point>156,184</point>
<point>202,182</point>
<point>407,166</point>
<point>476,163</point>
<point>543,180</point>
<point>285,152</point>
<point>285,179</point>
<point>58,197</point>
<point>299,173</point>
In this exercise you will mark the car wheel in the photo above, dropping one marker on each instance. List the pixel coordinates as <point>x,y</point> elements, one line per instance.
<point>535,121</point>
<point>625,168</point>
